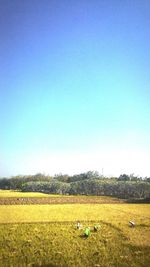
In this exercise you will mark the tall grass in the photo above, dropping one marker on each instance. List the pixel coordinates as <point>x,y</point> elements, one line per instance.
<point>46,235</point>
<point>54,244</point>
<point>12,193</point>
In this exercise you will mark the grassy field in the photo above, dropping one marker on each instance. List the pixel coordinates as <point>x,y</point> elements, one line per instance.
<point>11,193</point>
<point>46,235</point>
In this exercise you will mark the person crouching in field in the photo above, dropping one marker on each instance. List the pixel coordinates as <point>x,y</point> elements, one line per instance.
<point>96,228</point>
<point>87,232</point>
<point>132,223</point>
<point>79,225</point>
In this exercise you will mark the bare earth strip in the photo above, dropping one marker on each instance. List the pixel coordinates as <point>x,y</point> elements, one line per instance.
<point>58,200</point>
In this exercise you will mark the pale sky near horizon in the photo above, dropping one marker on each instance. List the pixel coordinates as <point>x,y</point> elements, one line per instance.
<point>74,87</point>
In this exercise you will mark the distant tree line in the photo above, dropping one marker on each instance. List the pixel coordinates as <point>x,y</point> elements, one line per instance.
<point>89,183</point>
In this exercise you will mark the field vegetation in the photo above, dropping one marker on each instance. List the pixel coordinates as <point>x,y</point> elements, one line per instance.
<point>62,245</point>
<point>20,194</point>
<point>46,235</point>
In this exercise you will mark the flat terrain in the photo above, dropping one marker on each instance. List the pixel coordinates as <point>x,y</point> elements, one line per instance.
<point>12,194</point>
<point>26,198</point>
<point>46,235</point>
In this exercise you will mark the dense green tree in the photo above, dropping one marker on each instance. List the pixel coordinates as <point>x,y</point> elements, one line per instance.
<point>124,177</point>
<point>5,183</point>
<point>89,183</point>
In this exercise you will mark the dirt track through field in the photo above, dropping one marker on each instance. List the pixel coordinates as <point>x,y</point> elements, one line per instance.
<point>58,200</point>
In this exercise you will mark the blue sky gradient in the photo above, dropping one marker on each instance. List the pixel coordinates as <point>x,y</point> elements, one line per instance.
<point>74,86</point>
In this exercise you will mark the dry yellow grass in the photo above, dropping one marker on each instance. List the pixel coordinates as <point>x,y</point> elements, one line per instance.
<point>39,235</point>
<point>118,215</point>
<point>36,235</point>
<point>12,193</point>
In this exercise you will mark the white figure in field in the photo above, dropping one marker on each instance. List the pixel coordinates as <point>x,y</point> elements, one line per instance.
<point>132,223</point>
<point>79,225</point>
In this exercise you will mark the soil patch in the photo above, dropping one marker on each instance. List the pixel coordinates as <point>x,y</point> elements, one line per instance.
<point>58,200</point>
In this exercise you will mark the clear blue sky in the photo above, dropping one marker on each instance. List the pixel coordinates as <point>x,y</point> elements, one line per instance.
<point>74,86</point>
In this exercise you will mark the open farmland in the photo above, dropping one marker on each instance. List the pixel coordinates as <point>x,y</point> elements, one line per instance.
<point>46,235</point>
<point>19,194</point>
<point>9,197</point>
